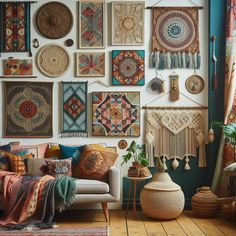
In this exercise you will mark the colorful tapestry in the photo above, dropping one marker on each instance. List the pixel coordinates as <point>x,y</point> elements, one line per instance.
<point>28,109</point>
<point>17,67</point>
<point>91,22</point>
<point>15,27</point>
<point>128,67</point>
<point>90,64</point>
<point>128,23</point>
<point>175,39</point>
<point>116,113</point>
<point>74,109</point>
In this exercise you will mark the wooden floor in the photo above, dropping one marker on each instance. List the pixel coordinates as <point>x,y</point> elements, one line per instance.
<point>141,225</point>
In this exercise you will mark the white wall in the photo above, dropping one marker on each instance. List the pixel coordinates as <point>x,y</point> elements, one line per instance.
<point>146,95</point>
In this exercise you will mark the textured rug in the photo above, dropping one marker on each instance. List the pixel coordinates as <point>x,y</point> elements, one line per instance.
<point>75,231</point>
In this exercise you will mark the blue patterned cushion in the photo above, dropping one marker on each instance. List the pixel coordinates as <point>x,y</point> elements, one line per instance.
<point>71,151</point>
<point>6,147</point>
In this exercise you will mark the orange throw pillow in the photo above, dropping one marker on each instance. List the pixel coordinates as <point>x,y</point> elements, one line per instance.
<point>17,164</point>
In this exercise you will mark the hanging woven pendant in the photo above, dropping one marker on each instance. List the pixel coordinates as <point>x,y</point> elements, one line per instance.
<point>175,164</point>
<point>187,166</point>
<point>174,87</point>
<point>211,135</point>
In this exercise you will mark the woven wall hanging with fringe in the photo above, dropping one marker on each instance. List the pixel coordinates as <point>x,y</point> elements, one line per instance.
<point>175,39</point>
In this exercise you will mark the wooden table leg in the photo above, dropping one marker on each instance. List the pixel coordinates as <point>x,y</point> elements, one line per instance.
<point>134,198</point>
<point>130,190</point>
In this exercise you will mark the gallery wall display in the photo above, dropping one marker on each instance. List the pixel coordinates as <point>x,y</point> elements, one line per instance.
<point>92,24</point>
<point>28,107</point>
<point>116,114</point>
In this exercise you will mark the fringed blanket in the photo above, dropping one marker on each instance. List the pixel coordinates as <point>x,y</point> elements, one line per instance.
<point>33,200</point>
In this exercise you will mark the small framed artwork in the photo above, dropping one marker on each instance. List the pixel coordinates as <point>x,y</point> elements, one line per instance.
<point>116,114</point>
<point>128,67</point>
<point>91,24</point>
<point>127,25</point>
<point>90,64</point>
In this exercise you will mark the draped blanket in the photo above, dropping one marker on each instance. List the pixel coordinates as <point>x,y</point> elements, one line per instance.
<point>33,200</point>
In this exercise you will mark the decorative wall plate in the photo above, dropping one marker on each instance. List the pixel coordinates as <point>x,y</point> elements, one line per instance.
<point>122,144</point>
<point>53,60</point>
<point>194,84</point>
<point>54,20</point>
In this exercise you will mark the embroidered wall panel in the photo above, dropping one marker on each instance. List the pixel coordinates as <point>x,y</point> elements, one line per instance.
<point>74,109</point>
<point>116,113</point>
<point>128,67</point>
<point>28,107</point>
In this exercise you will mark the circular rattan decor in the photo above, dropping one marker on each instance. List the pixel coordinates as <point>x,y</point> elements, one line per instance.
<point>194,84</point>
<point>54,20</point>
<point>53,60</point>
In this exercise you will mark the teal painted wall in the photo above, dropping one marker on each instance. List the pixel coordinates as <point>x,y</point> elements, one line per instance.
<point>197,177</point>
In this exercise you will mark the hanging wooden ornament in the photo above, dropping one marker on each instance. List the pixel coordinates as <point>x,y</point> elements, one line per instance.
<point>202,155</point>
<point>174,87</point>
<point>211,135</point>
<point>164,166</point>
<point>157,84</point>
<point>175,164</point>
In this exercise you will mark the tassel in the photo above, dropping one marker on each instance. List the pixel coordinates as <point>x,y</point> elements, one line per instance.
<point>157,58</point>
<point>164,166</point>
<point>190,60</point>
<point>198,60</point>
<point>187,166</point>
<point>211,135</point>
<point>187,60</point>
<point>184,61</point>
<point>71,135</point>
<point>159,164</point>
<point>172,60</point>
<point>168,60</point>
<point>180,60</point>
<point>175,164</point>
<point>153,59</point>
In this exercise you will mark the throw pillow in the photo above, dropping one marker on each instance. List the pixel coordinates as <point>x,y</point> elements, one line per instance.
<point>53,151</point>
<point>6,147</point>
<point>94,164</point>
<point>4,161</point>
<point>71,151</point>
<point>59,168</point>
<point>17,164</point>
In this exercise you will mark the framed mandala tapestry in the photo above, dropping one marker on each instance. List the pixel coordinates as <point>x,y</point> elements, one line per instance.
<point>28,110</point>
<point>127,23</point>
<point>175,39</point>
<point>91,24</point>
<point>128,67</point>
<point>74,95</point>
<point>90,64</point>
<point>116,114</point>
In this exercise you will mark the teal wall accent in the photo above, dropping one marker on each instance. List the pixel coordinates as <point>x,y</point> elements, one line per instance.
<point>197,177</point>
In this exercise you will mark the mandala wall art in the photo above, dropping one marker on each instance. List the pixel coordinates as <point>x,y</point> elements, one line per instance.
<point>28,107</point>
<point>90,64</point>
<point>116,113</point>
<point>128,67</point>
<point>175,39</point>
<point>15,27</point>
<point>74,109</point>
<point>128,23</point>
<point>91,24</point>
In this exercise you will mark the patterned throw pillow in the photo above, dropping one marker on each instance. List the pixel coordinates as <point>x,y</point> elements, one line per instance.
<point>71,151</point>
<point>94,164</point>
<point>59,168</point>
<point>17,164</point>
<point>53,151</point>
<point>4,161</point>
<point>6,147</point>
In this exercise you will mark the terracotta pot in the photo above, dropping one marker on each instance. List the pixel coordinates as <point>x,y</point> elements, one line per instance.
<point>162,198</point>
<point>204,203</point>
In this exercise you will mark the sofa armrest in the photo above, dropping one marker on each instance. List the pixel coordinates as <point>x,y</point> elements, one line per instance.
<point>114,182</point>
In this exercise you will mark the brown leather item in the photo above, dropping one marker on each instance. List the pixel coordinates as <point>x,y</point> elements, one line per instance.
<point>54,20</point>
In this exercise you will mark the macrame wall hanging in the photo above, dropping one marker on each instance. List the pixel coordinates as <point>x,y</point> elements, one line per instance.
<point>15,26</point>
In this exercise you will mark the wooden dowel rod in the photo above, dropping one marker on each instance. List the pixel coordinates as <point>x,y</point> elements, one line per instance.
<point>18,77</point>
<point>174,108</point>
<point>150,7</point>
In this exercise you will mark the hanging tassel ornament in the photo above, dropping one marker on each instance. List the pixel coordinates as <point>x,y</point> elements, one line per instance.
<point>159,164</point>
<point>174,87</point>
<point>164,166</point>
<point>187,166</point>
<point>175,164</point>
<point>211,135</point>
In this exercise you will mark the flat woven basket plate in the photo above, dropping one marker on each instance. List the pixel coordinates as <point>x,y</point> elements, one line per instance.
<point>53,60</point>
<point>54,20</point>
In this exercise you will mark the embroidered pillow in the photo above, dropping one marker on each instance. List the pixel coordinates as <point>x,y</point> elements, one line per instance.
<point>94,164</point>
<point>71,151</point>
<point>59,168</point>
<point>17,164</point>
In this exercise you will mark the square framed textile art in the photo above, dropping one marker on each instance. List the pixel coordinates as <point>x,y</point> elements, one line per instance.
<point>74,96</point>
<point>15,26</point>
<point>128,67</point>
<point>127,25</point>
<point>116,114</point>
<point>90,64</point>
<point>28,107</point>
<point>91,24</point>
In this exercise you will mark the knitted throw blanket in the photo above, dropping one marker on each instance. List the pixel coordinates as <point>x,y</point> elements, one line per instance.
<point>33,200</point>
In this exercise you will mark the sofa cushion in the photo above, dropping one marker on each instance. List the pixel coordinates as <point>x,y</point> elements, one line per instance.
<point>6,147</point>
<point>4,161</point>
<point>89,186</point>
<point>34,167</point>
<point>57,168</point>
<point>17,164</point>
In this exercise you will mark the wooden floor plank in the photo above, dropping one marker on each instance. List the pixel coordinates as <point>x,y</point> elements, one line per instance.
<point>135,224</point>
<point>117,223</point>
<point>189,227</point>
<point>153,227</point>
<point>172,228</point>
<point>226,226</point>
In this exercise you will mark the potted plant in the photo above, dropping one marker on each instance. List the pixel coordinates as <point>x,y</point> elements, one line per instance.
<point>140,162</point>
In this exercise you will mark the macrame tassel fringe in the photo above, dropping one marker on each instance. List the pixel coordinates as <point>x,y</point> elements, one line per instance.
<point>164,166</point>
<point>75,134</point>
<point>187,166</point>
<point>167,60</point>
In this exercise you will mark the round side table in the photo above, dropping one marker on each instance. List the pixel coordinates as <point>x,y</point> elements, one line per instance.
<point>133,181</point>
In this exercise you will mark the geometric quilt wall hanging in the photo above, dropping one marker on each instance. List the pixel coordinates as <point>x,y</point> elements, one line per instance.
<point>28,109</point>
<point>175,38</point>
<point>15,26</point>
<point>128,67</point>
<point>74,95</point>
<point>91,24</point>
<point>90,64</point>
<point>128,23</point>
<point>116,114</point>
